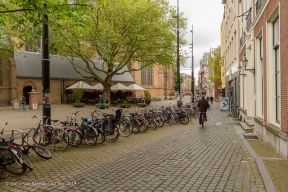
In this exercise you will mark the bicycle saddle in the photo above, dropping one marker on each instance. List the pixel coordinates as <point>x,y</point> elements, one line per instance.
<point>107,115</point>
<point>64,122</point>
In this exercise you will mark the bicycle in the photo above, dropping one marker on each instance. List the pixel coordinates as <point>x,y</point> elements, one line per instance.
<point>202,118</point>
<point>9,157</point>
<point>72,128</point>
<point>47,135</point>
<point>234,112</point>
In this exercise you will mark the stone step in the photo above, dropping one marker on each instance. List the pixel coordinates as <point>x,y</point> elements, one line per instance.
<point>247,128</point>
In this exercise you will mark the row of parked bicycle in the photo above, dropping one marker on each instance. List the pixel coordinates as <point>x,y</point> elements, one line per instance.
<point>93,130</point>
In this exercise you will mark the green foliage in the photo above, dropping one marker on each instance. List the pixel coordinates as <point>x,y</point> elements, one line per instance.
<point>147,95</point>
<point>121,32</point>
<point>125,104</point>
<point>141,104</point>
<point>78,104</point>
<point>214,68</point>
<point>78,94</point>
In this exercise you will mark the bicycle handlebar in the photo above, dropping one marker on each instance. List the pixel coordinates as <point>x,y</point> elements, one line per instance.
<point>2,132</point>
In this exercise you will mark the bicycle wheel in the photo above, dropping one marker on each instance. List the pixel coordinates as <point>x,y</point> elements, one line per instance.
<point>184,119</point>
<point>196,113</point>
<point>42,151</point>
<point>12,162</point>
<point>135,128</point>
<point>143,127</point>
<point>100,138</point>
<point>169,120</point>
<point>26,161</point>
<point>160,121</point>
<point>175,118</point>
<point>202,121</point>
<point>125,128</point>
<point>151,124</point>
<point>89,135</point>
<point>235,114</point>
<point>36,136</point>
<point>60,140</point>
<point>75,138</point>
<point>113,137</point>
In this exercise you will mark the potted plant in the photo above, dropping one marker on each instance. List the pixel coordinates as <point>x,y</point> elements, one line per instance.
<point>78,93</point>
<point>147,95</point>
<point>142,104</point>
<point>125,104</point>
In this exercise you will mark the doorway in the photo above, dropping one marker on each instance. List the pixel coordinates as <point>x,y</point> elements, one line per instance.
<point>26,90</point>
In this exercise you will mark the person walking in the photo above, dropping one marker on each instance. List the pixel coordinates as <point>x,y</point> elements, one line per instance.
<point>23,103</point>
<point>203,106</point>
<point>101,99</point>
<point>207,99</point>
<point>211,100</point>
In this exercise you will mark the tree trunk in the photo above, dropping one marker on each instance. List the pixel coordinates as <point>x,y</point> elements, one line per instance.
<point>107,90</point>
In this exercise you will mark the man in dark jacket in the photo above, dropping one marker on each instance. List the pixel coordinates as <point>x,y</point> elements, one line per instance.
<point>203,106</point>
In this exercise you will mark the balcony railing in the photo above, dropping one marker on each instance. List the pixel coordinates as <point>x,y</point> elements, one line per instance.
<point>258,5</point>
<point>249,19</point>
<point>242,39</point>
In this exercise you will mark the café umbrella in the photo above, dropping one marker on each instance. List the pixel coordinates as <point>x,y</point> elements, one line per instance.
<point>119,87</point>
<point>99,86</point>
<point>80,85</point>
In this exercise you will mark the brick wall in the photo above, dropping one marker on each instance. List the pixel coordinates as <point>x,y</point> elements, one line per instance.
<point>261,25</point>
<point>284,64</point>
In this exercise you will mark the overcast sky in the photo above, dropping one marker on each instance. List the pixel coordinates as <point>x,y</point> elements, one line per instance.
<point>206,17</point>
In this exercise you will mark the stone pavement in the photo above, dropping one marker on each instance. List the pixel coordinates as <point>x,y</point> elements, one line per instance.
<point>172,158</point>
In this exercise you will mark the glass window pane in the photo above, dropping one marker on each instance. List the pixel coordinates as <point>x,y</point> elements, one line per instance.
<point>277,55</point>
<point>278,84</point>
<point>278,109</point>
<point>276,32</point>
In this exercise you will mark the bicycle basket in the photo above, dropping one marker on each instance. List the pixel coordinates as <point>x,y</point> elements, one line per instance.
<point>87,120</point>
<point>112,125</point>
<point>118,114</point>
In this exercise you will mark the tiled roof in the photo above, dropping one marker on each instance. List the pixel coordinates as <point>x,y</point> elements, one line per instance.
<point>29,65</point>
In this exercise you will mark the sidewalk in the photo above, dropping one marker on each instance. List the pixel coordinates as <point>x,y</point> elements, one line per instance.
<point>18,120</point>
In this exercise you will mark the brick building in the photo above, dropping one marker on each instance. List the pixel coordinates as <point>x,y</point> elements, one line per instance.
<point>263,37</point>
<point>21,71</point>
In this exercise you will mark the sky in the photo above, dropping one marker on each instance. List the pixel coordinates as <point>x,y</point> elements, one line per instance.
<point>206,17</point>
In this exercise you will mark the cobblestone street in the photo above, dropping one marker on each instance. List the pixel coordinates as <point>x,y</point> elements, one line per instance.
<point>172,158</point>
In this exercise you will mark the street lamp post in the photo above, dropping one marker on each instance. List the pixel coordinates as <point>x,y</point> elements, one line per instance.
<point>192,71</point>
<point>45,69</point>
<point>178,58</point>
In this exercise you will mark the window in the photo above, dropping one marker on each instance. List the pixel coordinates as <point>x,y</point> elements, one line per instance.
<point>262,76</point>
<point>146,75</point>
<point>276,55</point>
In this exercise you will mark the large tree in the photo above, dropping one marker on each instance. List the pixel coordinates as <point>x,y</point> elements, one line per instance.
<point>128,35</point>
<point>213,66</point>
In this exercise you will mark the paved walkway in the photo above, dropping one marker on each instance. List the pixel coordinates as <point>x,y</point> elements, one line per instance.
<point>172,158</point>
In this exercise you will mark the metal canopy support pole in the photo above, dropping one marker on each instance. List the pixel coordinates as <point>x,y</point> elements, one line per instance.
<point>45,70</point>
